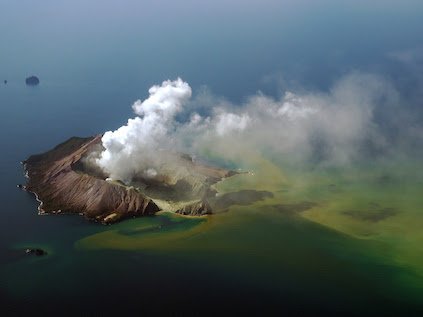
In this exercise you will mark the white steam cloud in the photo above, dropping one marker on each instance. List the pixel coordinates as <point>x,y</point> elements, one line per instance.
<point>128,150</point>
<point>334,126</point>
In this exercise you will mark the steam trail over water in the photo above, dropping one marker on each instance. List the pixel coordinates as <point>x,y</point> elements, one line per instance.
<point>336,127</point>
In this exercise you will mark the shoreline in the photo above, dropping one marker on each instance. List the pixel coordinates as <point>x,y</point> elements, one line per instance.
<point>40,209</point>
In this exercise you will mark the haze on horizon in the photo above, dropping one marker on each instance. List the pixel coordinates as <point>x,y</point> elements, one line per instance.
<point>233,47</point>
<point>364,76</point>
<point>321,102</point>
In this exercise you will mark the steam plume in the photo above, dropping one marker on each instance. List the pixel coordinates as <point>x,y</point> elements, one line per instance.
<point>334,126</point>
<point>128,150</point>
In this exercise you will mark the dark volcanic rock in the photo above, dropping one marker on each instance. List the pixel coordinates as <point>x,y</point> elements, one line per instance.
<point>32,81</point>
<point>63,184</point>
<point>199,208</point>
<point>36,252</point>
<point>60,188</point>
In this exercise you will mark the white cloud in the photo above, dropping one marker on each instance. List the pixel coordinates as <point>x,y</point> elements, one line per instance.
<point>407,56</point>
<point>130,148</point>
<point>332,125</point>
<point>230,122</point>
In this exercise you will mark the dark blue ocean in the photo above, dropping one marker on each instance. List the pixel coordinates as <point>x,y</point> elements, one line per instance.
<point>95,58</point>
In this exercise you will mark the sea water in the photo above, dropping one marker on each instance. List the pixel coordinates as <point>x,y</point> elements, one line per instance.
<point>95,59</point>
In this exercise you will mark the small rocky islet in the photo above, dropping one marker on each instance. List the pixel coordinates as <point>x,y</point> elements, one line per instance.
<point>32,81</point>
<point>35,251</point>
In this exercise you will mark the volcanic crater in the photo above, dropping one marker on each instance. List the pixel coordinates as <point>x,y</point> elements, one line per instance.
<point>63,182</point>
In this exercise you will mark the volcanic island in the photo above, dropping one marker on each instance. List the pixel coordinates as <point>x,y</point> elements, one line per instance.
<point>63,183</point>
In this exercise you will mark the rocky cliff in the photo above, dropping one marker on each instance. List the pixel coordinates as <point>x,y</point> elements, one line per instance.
<point>60,188</point>
<point>62,184</point>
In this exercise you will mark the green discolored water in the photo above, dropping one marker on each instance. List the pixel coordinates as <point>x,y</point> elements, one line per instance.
<point>316,240</point>
<point>337,240</point>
